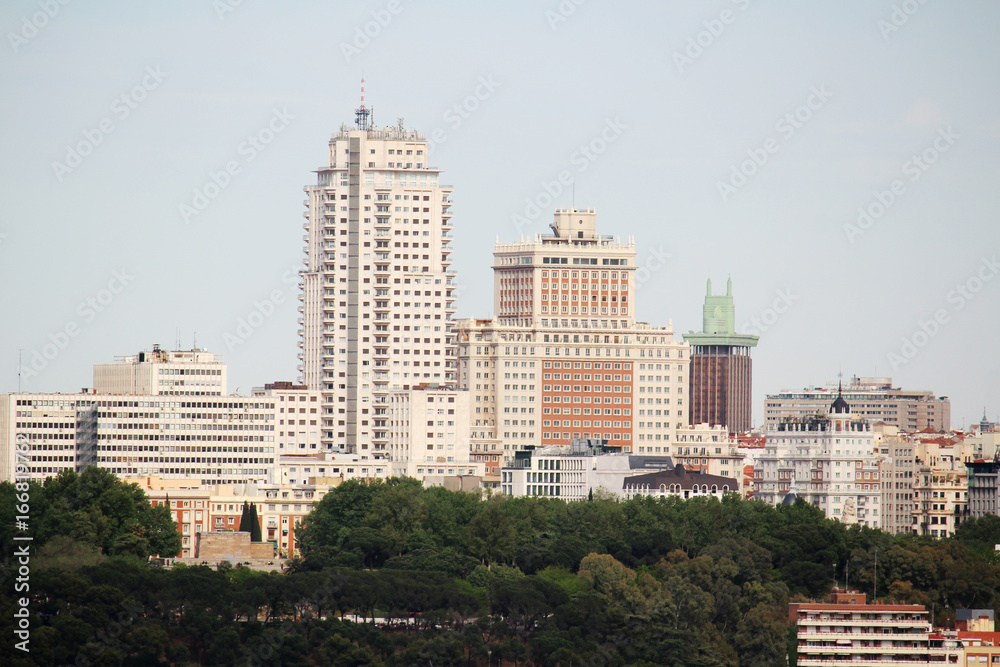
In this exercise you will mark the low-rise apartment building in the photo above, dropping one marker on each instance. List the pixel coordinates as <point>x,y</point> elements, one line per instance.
<point>850,631</point>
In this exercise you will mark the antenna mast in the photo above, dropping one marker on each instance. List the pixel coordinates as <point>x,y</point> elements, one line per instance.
<point>362,115</point>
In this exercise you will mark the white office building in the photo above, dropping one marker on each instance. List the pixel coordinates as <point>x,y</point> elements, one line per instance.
<point>575,471</point>
<point>195,372</point>
<point>212,439</point>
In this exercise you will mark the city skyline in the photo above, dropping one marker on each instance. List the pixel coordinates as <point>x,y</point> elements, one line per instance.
<point>182,216</point>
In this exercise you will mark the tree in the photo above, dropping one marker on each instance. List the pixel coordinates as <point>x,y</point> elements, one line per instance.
<point>980,534</point>
<point>342,509</point>
<point>491,535</point>
<point>245,519</point>
<point>612,579</point>
<point>255,534</point>
<point>98,509</point>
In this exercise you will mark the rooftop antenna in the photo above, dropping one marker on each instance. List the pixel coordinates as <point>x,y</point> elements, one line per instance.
<point>177,346</point>
<point>19,370</point>
<point>362,115</point>
<point>194,343</point>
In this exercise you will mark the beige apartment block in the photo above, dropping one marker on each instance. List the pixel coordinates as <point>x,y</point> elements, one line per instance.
<point>377,283</point>
<point>429,433</point>
<point>941,499</point>
<point>897,472</point>
<point>329,468</point>
<point>299,417</point>
<point>708,449</point>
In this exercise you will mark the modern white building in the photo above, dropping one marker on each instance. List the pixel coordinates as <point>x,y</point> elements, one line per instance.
<point>429,433</point>
<point>213,439</point>
<point>195,372</point>
<point>573,472</point>
<point>984,486</point>
<point>50,426</point>
<point>377,281</point>
<point>564,358</point>
<point>828,460</point>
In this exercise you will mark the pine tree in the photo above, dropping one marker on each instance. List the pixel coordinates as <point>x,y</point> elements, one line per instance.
<point>255,535</point>
<point>245,519</point>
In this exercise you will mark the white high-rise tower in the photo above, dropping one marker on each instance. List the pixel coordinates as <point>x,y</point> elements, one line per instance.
<point>377,284</point>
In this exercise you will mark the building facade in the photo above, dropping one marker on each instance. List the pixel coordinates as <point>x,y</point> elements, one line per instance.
<point>679,483</point>
<point>872,398</point>
<point>195,372</point>
<point>897,474</point>
<point>565,358</point>
<point>212,439</point>
<point>51,428</point>
<point>707,449</point>
<point>329,468</point>
<point>429,433</point>
<point>941,499</point>
<point>199,509</point>
<point>377,283</point>
<point>850,631</point>
<point>575,471</point>
<point>299,418</point>
<point>827,460</point>
<point>721,368</point>
<point>984,486</point>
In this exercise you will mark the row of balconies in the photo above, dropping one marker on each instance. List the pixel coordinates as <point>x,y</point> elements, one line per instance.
<point>857,649</point>
<point>859,622</point>
<point>903,635</point>
<point>889,661</point>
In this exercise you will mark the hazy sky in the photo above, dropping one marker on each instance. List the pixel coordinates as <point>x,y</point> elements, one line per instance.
<point>154,156</point>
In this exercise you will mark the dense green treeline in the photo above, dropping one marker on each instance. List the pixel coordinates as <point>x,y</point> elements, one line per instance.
<point>395,574</point>
<point>94,508</point>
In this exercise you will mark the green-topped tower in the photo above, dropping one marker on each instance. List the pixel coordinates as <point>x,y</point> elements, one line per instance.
<point>721,368</point>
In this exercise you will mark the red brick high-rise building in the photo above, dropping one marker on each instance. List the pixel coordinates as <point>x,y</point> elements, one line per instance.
<point>721,368</point>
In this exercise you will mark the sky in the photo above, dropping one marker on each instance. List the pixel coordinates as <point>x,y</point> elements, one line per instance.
<point>837,160</point>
